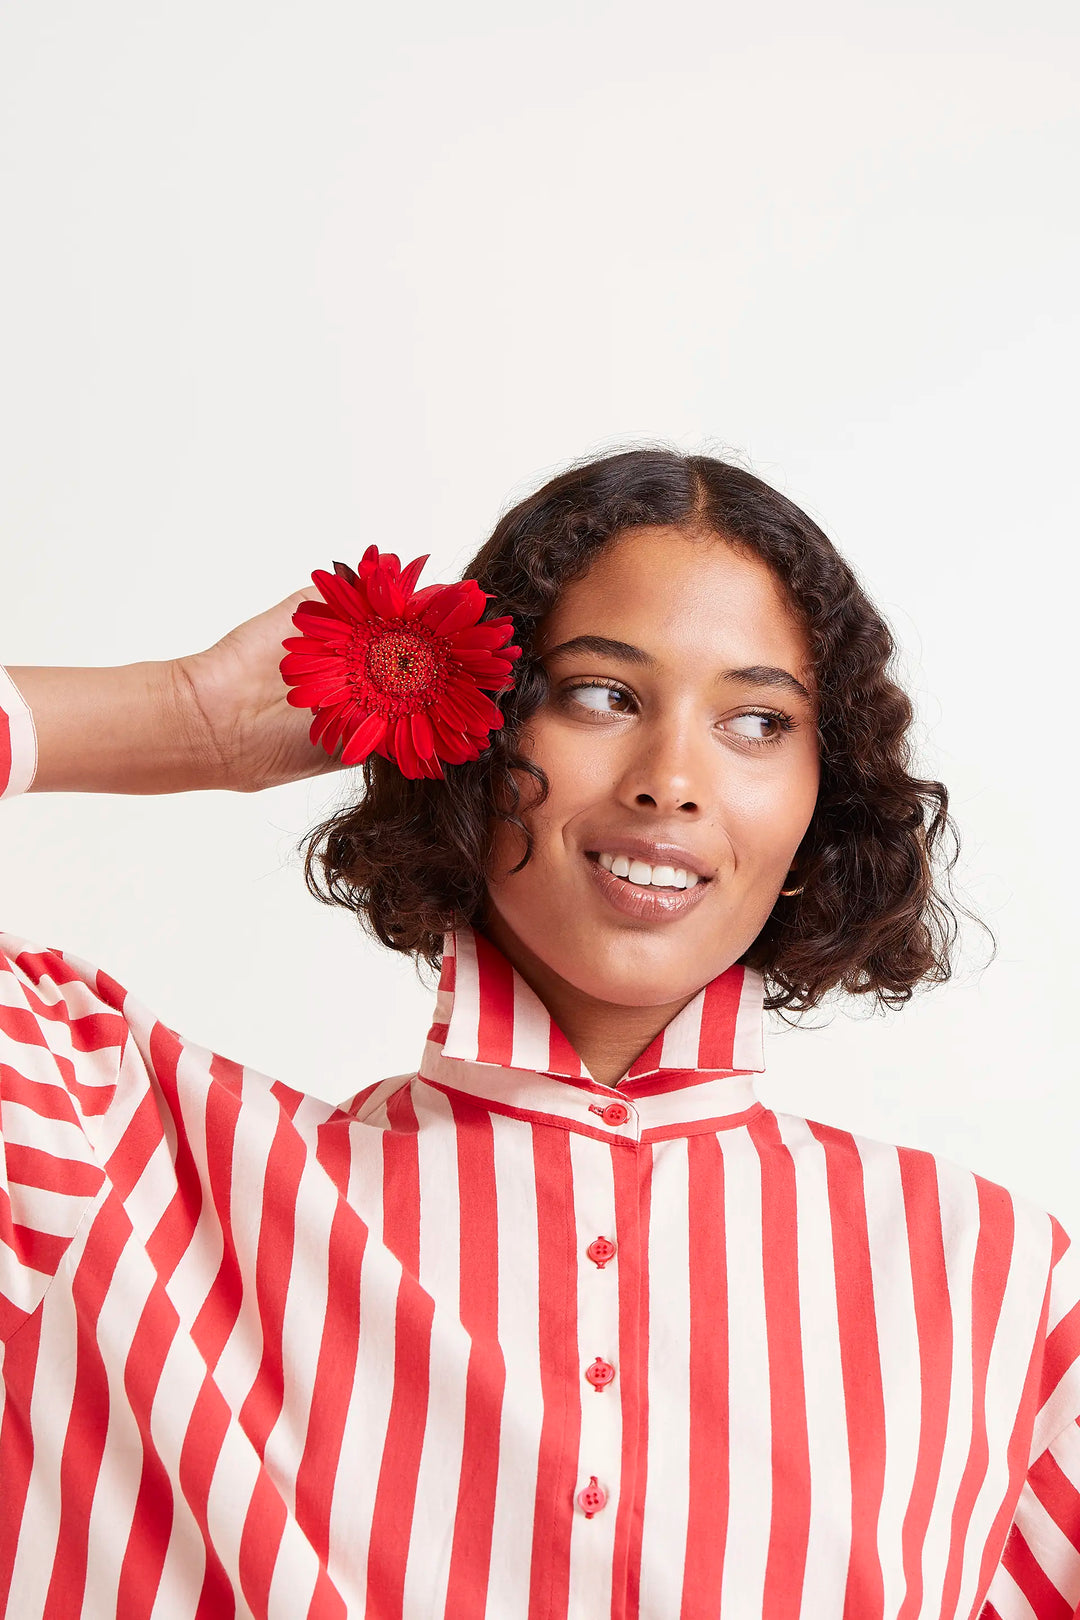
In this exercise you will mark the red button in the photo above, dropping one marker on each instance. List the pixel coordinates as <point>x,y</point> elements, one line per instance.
<point>600,1251</point>
<point>592,1498</point>
<point>600,1374</point>
<point>615,1114</point>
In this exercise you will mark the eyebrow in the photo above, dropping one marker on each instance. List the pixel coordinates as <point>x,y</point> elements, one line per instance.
<point>605,647</point>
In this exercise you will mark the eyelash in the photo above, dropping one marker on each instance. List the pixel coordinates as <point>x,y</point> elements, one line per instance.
<point>784,721</point>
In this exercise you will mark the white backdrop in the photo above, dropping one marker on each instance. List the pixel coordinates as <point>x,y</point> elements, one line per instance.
<point>282,279</point>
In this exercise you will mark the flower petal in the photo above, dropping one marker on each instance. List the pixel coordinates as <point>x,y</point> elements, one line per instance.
<point>459,715</point>
<point>478,664</point>
<point>306,644</point>
<point>311,663</point>
<point>420,601</point>
<point>453,746</point>
<point>318,619</point>
<point>404,752</point>
<point>439,599</point>
<point>473,703</point>
<point>316,691</point>
<point>461,606</point>
<point>488,633</point>
<point>411,573</point>
<point>423,738</point>
<point>324,688</point>
<point>338,726</point>
<point>339,594</point>
<point>362,738</point>
<point>322,719</point>
<point>329,634</point>
<point>347,573</point>
<point>383,594</point>
<point>310,608</point>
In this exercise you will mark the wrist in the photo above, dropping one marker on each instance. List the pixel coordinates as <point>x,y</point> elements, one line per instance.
<point>208,712</point>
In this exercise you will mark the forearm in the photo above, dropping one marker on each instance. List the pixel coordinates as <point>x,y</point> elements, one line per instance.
<point>130,728</point>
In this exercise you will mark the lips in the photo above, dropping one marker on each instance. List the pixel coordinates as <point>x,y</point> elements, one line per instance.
<point>644,902</point>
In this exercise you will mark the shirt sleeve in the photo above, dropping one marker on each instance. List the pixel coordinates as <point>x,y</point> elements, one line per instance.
<point>18,740</point>
<point>62,1037</point>
<point>1038,1577</point>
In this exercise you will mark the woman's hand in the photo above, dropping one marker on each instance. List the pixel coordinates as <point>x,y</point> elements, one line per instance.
<point>235,703</point>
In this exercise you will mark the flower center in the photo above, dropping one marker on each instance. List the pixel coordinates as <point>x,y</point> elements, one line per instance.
<point>400,664</point>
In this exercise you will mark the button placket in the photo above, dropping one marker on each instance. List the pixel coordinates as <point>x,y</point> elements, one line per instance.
<point>600,1442</point>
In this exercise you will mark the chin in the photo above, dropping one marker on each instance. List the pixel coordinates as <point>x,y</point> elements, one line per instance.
<point>630,973</point>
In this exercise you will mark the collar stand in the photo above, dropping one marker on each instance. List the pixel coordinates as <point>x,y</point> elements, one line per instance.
<point>492,1038</point>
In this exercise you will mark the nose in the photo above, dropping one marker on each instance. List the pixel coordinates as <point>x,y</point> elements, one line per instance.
<point>668,773</point>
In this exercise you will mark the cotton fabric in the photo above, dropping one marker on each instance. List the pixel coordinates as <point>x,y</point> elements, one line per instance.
<point>266,1356</point>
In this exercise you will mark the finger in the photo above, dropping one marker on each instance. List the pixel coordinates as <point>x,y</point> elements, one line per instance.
<point>307,593</point>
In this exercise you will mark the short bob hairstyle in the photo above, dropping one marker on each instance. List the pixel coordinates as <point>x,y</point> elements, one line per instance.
<point>410,858</point>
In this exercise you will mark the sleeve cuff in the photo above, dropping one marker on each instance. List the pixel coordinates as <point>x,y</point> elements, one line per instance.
<point>18,740</point>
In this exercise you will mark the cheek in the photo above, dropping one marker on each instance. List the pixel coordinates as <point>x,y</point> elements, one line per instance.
<point>769,815</point>
<point>573,785</point>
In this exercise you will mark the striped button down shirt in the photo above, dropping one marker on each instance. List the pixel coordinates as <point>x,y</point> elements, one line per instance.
<point>494,1340</point>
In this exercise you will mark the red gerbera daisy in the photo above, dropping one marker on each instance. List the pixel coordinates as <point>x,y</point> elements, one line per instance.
<point>397,671</point>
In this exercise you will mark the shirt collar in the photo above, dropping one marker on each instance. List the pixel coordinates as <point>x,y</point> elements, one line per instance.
<point>493,1039</point>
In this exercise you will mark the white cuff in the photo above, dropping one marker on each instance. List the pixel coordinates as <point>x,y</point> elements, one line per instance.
<point>18,740</point>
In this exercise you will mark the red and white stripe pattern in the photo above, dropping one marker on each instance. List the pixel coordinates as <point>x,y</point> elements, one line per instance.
<point>264,1356</point>
<point>18,740</point>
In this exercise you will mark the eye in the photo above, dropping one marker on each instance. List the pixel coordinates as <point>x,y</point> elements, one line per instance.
<point>759,721</point>
<point>601,697</point>
<point>757,724</point>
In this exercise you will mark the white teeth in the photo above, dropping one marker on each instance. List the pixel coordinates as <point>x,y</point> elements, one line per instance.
<point>659,877</point>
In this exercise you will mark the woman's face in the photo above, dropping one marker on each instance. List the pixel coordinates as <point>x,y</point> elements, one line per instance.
<point>677,736</point>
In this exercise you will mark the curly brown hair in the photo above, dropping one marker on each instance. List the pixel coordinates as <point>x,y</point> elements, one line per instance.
<point>410,857</point>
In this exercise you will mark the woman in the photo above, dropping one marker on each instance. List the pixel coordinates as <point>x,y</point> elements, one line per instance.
<point>566,1323</point>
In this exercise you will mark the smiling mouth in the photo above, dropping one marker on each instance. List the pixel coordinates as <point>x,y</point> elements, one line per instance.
<point>643,903</point>
<point>638,874</point>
